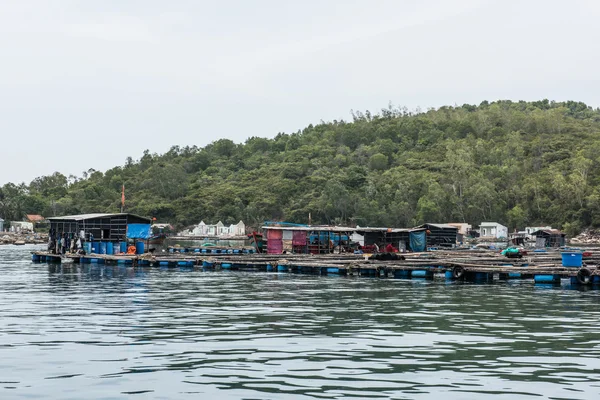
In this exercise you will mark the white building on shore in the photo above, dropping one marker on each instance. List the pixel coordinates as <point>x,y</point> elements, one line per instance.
<point>216,230</point>
<point>493,230</point>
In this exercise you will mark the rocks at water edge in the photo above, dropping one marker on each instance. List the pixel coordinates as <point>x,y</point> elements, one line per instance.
<point>23,238</point>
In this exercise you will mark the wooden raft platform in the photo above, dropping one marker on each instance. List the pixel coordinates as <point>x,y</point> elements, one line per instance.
<point>482,266</point>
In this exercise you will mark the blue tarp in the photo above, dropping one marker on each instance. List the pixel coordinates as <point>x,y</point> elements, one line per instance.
<point>418,240</point>
<point>138,231</point>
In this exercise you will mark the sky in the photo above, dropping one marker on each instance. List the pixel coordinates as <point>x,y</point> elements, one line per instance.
<point>86,84</point>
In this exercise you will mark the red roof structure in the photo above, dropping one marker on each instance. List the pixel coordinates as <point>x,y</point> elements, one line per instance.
<point>35,218</point>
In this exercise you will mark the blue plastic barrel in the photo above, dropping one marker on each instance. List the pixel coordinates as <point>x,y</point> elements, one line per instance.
<point>109,248</point>
<point>402,274</point>
<point>95,247</point>
<point>87,246</point>
<point>102,247</point>
<point>546,278</point>
<point>421,273</point>
<point>123,247</point>
<point>139,248</point>
<point>572,259</point>
<point>481,276</point>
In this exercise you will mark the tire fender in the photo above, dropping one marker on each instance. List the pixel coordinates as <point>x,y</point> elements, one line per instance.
<point>584,276</point>
<point>458,272</point>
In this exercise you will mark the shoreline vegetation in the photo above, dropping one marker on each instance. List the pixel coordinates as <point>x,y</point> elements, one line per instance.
<point>517,163</point>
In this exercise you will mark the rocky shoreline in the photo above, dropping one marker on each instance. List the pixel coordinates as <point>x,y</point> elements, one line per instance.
<point>589,236</point>
<point>23,238</point>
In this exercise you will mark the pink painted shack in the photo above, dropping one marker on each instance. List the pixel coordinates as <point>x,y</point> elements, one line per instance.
<point>308,239</point>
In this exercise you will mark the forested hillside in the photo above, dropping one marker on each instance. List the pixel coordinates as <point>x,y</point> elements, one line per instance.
<point>524,163</point>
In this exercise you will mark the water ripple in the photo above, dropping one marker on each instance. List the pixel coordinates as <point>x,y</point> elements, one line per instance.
<point>115,332</point>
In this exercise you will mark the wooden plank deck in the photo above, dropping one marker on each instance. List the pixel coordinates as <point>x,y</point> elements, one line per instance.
<point>460,264</point>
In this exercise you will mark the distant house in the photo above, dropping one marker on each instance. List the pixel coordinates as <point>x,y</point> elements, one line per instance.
<point>21,226</point>
<point>399,238</point>
<point>217,230</point>
<point>440,234</point>
<point>549,238</point>
<point>463,228</point>
<point>238,229</point>
<point>199,230</point>
<point>101,226</point>
<point>306,239</point>
<point>530,229</point>
<point>493,230</point>
<point>1,225</point>
<point>34,218</point>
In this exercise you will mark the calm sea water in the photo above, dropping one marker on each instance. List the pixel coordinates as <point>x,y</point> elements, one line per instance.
<point>94,332</point>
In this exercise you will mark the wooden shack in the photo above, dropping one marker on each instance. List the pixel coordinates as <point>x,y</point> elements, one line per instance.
<point>440,235</point>
<point>397,237</point>
<point>101,227</point>
<point>549,238</point>
<point>307,239</point>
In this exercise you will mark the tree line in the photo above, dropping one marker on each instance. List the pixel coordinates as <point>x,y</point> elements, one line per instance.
<point>517,163</point>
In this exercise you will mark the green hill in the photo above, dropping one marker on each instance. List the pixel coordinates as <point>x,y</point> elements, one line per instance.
<point>517,163</point>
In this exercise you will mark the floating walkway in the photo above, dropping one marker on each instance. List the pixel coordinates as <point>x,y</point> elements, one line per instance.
<point>211,250</point>
<point>474,266</point>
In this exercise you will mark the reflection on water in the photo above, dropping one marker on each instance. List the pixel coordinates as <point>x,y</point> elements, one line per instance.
<point>112,332</point>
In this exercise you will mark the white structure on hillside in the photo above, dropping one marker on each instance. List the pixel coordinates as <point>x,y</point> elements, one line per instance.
<point>21,226</point>
<point>1,225</point>
<point>217,230</point>
<point>493,230</point>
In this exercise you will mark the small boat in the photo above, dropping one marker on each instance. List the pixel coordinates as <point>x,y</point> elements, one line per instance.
<point>19,243</point>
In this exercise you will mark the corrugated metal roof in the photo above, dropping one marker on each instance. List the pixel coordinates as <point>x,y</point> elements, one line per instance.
<point>548,231</point>
<point>391,230</point>
<point>311,228</point>
<point>82,217</point>
<point>491,224</point>
<point>441,226</point>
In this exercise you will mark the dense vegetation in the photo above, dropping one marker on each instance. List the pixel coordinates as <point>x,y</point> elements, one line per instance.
<point>517,163</point>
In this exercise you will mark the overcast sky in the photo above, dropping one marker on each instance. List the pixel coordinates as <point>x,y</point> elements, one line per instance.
<point>84,84</point>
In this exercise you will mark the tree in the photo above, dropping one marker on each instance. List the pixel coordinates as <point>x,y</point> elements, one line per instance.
<point>517,163</point>
<point>378,162</point>
<point>516,217</point>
